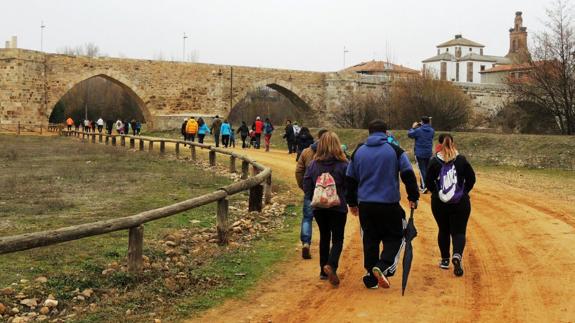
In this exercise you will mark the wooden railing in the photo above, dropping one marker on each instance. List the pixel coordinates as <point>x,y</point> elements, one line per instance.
<point>19,127</point>
<point>259,186</point>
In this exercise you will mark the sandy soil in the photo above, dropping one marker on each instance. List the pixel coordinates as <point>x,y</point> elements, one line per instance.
<point>519,266</point>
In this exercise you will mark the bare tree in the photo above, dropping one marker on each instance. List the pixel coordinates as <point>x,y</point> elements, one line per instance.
<point>358,109</point>
<point>88,49</point>
<point>550,78</point>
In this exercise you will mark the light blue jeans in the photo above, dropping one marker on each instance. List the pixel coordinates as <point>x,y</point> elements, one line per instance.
<point>306,222</point>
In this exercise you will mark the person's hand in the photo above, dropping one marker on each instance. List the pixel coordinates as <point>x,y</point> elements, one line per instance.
<point>413,205</point>
<point>415,125</point>
<point>354,210</point>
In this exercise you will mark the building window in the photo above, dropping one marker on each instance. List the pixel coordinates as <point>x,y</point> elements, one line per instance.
<point>493,65</point>
<point>470,72</point>
<point>470,49</point>
<point>447,50</point>
<point>456,72</point>
<point>482,67</point>
<point>481,51</point>
<point>443,73</point>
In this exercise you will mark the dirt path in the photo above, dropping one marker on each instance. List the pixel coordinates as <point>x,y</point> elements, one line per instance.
<point>519,263</point>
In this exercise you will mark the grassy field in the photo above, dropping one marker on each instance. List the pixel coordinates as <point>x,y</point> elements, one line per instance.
<point>533,151</point>
<point>52,182</point>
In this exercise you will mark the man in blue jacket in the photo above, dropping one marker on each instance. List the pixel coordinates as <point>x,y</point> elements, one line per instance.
<point>373,193</point>
<point>423,135</point>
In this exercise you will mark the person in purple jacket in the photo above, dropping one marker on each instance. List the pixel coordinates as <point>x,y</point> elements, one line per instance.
<point>329,158</point>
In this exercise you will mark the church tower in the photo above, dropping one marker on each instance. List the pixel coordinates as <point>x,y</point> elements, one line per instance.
<point>518,50</point>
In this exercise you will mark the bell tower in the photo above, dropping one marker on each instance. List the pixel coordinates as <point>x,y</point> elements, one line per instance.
<point>518,50</point>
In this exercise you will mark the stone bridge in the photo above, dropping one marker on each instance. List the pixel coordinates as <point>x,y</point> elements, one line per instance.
<point>31,83</point>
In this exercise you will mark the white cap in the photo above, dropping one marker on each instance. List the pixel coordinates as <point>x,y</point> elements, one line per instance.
<point>257,118</point>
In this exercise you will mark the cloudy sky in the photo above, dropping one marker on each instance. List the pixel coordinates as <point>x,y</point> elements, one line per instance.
<point>293,34</point>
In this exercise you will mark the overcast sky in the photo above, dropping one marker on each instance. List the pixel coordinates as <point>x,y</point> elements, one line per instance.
<point>292,34</point>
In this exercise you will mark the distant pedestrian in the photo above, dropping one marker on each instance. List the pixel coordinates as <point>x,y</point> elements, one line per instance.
<point>100,124</point>
<point>289,136</point>
<point>373,194</point>
<point>126,127</point>
<point>296,128</point>
<point>109,126</point>
<point>69,123</point>
<point>192,129</point>
<point>306,222</point>
<point>120,127</point>
<point>450,178</point>
<point>232,136</point>
<point>226,131</point>
<point>439,143</point>
<point>258,128</point>
<point>86,125</point>
<point>329,209</point>
<point>423,134</point>
<point>133,124</point>
<point>203,130</point>
<point>244,132</point>
<point>304,139</point>
<point>268,130</point>
<point>183,131</point>
<point>216,128</point>
<point>253,138</point>
<point>93,125</point>
<point>138,127</point>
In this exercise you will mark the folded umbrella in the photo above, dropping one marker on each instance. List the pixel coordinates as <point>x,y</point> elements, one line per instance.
<point>409,233</point>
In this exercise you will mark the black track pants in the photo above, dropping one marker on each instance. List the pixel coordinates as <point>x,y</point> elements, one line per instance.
<point>452,223</point>
<point>331,229</point>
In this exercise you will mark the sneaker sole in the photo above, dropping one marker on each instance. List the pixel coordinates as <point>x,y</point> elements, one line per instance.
<point>381,279</point>
<point>457,268</point>
<point>443,267</point>
<point>331,275</point>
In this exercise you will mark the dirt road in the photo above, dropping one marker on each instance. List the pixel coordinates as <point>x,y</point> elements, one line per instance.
<point>519,266</point>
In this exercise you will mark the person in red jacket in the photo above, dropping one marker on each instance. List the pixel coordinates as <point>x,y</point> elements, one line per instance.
<point>258,128</point>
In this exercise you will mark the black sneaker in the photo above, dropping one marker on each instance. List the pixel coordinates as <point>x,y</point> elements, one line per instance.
<point>305,253</point>
<point>369,281</point>
<point>457,265</point>
<point>322,276</point>
<point>444,263</point>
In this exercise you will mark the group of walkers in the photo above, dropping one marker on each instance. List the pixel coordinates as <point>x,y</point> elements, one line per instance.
<point>366,184</point>
<point>297,138</point>
<point>122,127</point>
<point>223,131</point>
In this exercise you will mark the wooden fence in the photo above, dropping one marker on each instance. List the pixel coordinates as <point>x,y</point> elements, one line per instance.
<point>19,128</point>
<point>258,184</point>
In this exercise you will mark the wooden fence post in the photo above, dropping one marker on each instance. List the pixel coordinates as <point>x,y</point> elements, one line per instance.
<point>151,145</point>
<point>162,147</point>
<point>142,144</point>
<point>100,138</point>
<point>255,202</point>
<point>222,221</point>
<point>107,141</point>
<point>122,141</point>
<point>232,164</point>
<point>245,169</point>
<point>40,129</point>
<point>177,149</point>
<point>93,138</point>
<point>132,143</point>
<point>113,140</point>
<point>135,249</point>
<point>212,158</point>
<point>18,131</point>
<point>268,190</point>
<point>193,148</point>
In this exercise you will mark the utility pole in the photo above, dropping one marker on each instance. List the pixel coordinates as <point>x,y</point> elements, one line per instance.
<point>184,48</point>
<point>345,51</point>
<point>42,26</point>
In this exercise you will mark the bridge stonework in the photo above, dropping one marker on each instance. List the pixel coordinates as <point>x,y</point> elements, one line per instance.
<point>31,83</point>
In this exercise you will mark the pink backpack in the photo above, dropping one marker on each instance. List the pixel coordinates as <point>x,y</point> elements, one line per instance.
<point>325,192</point>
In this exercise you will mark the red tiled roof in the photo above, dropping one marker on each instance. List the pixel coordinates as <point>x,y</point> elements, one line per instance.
<point>380,66</point>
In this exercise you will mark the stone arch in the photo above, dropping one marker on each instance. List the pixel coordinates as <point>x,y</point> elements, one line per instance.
<point>288,89</point>
<point>125,83</point>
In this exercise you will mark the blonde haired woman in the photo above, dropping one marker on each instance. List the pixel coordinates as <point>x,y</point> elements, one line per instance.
<point>329,158</point>
<point>450,178</point>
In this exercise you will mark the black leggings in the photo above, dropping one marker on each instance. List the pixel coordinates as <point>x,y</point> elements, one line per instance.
<point>452,223</point>
<point>331,228</point>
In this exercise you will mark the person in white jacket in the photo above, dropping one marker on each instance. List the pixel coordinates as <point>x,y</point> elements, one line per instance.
<point>100,124</point>
<point>120,127</point>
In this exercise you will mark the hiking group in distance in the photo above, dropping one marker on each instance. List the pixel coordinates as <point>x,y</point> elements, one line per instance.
<point>366,184</point>
<point>122,127</point>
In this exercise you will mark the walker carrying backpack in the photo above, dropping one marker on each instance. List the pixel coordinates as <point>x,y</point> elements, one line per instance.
<point>325,192</point>
<point>450,191</point>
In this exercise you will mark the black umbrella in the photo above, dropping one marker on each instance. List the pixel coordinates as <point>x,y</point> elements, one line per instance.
<point>408,234</point>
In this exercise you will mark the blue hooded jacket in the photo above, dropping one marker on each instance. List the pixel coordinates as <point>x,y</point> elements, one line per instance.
<point>423,140</point>
<point>376,167</point>
<point>225,129</point>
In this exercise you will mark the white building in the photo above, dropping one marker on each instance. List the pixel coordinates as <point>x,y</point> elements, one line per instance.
<point>461,60</point>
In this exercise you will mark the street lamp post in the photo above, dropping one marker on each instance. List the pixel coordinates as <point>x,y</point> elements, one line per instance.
<point>184,48</point>
<point>42,26</point>
<point>345,51</point>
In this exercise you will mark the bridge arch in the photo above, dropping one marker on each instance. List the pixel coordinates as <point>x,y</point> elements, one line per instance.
<point>127,85</point>
<point>294,94</point>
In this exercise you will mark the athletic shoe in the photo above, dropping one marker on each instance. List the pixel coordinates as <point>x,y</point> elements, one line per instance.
<point>369,281</point>
<point>381,279</point>
<point>305,253</point>
<point>444,263</point>
<point>457,265</point>
<point>322,276</point>
<point>423,190</point>
<point>331,275</point>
